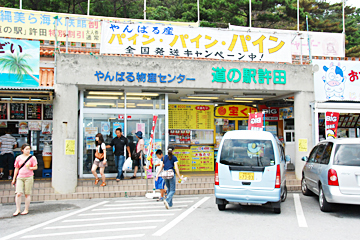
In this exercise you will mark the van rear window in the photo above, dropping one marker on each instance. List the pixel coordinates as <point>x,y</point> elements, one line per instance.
<point>347,154</point>
<point>246,152</point>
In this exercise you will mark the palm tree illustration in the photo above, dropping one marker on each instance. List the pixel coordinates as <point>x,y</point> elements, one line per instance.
<point>17,64</point>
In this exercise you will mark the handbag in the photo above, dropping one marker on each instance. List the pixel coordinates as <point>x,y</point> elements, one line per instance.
<point>127,165</point>
<point>24,163</point>
<point>136,155</point>
<point>168,174</point>
<point>99,155</point>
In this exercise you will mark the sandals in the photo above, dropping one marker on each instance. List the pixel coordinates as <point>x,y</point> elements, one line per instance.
<point>24,213</point>
<point>97,181</point>
<point>16,214</point>
<point>103,184</point>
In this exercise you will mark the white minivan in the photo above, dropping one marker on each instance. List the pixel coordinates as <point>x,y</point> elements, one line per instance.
<point>250,168</point>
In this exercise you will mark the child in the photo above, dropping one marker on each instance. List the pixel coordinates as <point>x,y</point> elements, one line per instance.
<point>160,183</point>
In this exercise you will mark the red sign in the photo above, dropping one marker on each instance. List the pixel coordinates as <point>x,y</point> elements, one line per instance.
<point>331,124</point>
<point>256,122</point>
<point>129,117</point>
<point>271,114</point>
<point>120,116</point>
<point>202,108</point>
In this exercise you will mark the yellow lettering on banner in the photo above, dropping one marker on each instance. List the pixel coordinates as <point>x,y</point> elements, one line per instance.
<point>260,42</point>
<point>303,145</point>
<point>133,38</point>
<point>233,42</point>
<point>174,41</point>
<point>183,41</point>
<point>243,43</point>
<point>197,40</point>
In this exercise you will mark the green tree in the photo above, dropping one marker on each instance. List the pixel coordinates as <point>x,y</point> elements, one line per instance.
<point>17,63</point>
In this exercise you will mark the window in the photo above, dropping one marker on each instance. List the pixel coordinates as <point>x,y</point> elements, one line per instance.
<point>327,153</point>
<point>319,153</point>
<point>347,154</point>
<point>244,152</point>
<point>312,154</point>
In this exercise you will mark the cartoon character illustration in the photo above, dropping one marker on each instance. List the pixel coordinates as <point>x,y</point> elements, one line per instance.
<point>254,150</point>
<point>330,134</point>
<point>334,82</point>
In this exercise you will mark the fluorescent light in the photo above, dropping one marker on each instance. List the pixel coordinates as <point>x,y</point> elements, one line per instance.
<point>247,98</point>
<point>99,104</point>
<point>132,98</point>
<point>259,94</point>
<point>112,118</point>
<point>105,93</point>
<point>194,100</point>
<point>197,97</point>
<point>144,105</point>
<point>101,97</point>
<point>131,106</point>
<point>229,100</point>
<point>210,93</point>
<point>143,94</point>
<point>160,91</point>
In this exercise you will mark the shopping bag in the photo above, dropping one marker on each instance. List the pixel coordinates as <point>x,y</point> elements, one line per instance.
<point>127,164</point>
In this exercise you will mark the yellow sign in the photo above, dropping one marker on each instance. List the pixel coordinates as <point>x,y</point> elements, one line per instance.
<point>303,145</point>
<point>18,23</point>
<point>234,111</point>
<point>202,158</point>
<point>191,116</point>
<point>69,147</point>
<point>184,158</point>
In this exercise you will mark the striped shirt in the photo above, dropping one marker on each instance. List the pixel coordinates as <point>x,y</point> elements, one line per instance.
<point>7,144</point>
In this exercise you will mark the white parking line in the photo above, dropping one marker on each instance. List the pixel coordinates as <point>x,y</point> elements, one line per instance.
<point>51,221</point>
<point>299,211</point>
<point>88,231</point>
<point>131,212</point>
<point>106,224</point>
<point>119,217</point>
<point>180,217</point>
<point>139,204</point>
<point>114,237</point>
<point>127,208</point>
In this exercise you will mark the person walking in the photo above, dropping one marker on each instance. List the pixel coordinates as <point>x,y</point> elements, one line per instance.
<point>7,144</point>
<point>25,164</point>
<point>140,147</point>
<point>169,162</point>
<point>100,159</point>
<point>119,155</point>
<point>160,183</point>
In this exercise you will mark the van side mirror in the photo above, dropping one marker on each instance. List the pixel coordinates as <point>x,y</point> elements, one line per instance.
<point>287,158</point>
<point>305,158</point>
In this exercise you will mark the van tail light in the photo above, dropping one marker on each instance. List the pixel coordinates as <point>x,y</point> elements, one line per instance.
<point>216,174</point>
<point>278,177</point>
<point>332,178</point>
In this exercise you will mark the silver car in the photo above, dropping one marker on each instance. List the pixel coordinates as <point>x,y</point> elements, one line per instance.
<point>332,171</point>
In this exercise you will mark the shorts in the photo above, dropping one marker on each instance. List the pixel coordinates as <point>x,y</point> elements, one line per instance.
<point>24,184</point>
<point>7,159</point>
<point>138,163</point>
<point>160,183</point>
<point>100,164</point>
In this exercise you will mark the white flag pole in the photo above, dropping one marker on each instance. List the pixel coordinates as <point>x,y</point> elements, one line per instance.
<point>249,13</point>
<point>198,12</point>
<point>144,9</point>
<point>88,8</point>
<point>343,16</point>
<point>20,4</point>
<point>298,15</point>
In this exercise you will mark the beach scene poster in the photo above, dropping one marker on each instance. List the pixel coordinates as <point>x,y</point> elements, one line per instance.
<point>19,63</point>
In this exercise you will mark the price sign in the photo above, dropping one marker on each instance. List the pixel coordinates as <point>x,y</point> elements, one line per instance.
<point>34,111</point>
<point>17,111</point>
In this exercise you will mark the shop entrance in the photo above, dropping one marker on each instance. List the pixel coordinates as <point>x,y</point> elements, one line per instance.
<point>290,143</point>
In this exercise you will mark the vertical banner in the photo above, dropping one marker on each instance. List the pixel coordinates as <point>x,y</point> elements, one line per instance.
<point>255,121</point>
<point>331,124</point>
<point>151,144</point>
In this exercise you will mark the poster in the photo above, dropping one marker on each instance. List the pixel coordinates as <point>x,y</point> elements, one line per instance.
<point>33,111</point>
<point>336,80</point>
<point>91,131</point>
<point>3,124</point>
<point>90,142</point>
<point>23,128</point>
<point>185,159</point>
<point>140,127</point>
<point>303,145</point>
<point>272,129</point>
<point>183,116</point>
<point>105,128</point>
<point>271,113</point>
<point>331,124</point>
<point>234,111</point>
<point>165,40</point>
<point>28,24</point>
<point>117,125</point>
<point>48,112</point>
<point>17,111</point>
<point>24,59</point>
<point>35,126</point>
<point>69,147</point>
<point>286,113</point>
<point>46,127</point>
<point>202,158</point>
<point>256,122</point>
<point>3,110</point>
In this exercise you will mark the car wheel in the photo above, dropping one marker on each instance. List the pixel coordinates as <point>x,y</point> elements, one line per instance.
<point>284,195</point>
<point>304,188</point>
<point>221,207</point>
<point>324,205</point>
<point>277,210</point>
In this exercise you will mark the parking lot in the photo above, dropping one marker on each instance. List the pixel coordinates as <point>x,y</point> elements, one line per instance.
<point>193,217</point>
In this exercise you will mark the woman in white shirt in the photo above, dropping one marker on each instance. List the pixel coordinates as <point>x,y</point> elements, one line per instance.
<point>100,159</point>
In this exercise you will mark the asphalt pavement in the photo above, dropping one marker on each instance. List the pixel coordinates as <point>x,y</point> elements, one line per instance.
<point>191,217</point>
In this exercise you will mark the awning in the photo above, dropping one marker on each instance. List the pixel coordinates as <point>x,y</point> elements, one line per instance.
<point>23,95</point>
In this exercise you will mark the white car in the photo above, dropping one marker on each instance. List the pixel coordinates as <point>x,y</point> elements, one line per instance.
<point>332,171</point>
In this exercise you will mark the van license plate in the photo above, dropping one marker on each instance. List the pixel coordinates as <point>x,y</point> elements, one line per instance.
<point>246,176</point>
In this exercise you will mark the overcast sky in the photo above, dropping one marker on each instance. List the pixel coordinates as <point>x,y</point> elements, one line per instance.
<point>353,3</point>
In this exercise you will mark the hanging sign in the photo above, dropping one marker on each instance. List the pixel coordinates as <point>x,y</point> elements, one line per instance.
<point>234,111</point>
<point>256,121</point>
<point>331,124</point>
<point>165,40</point>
